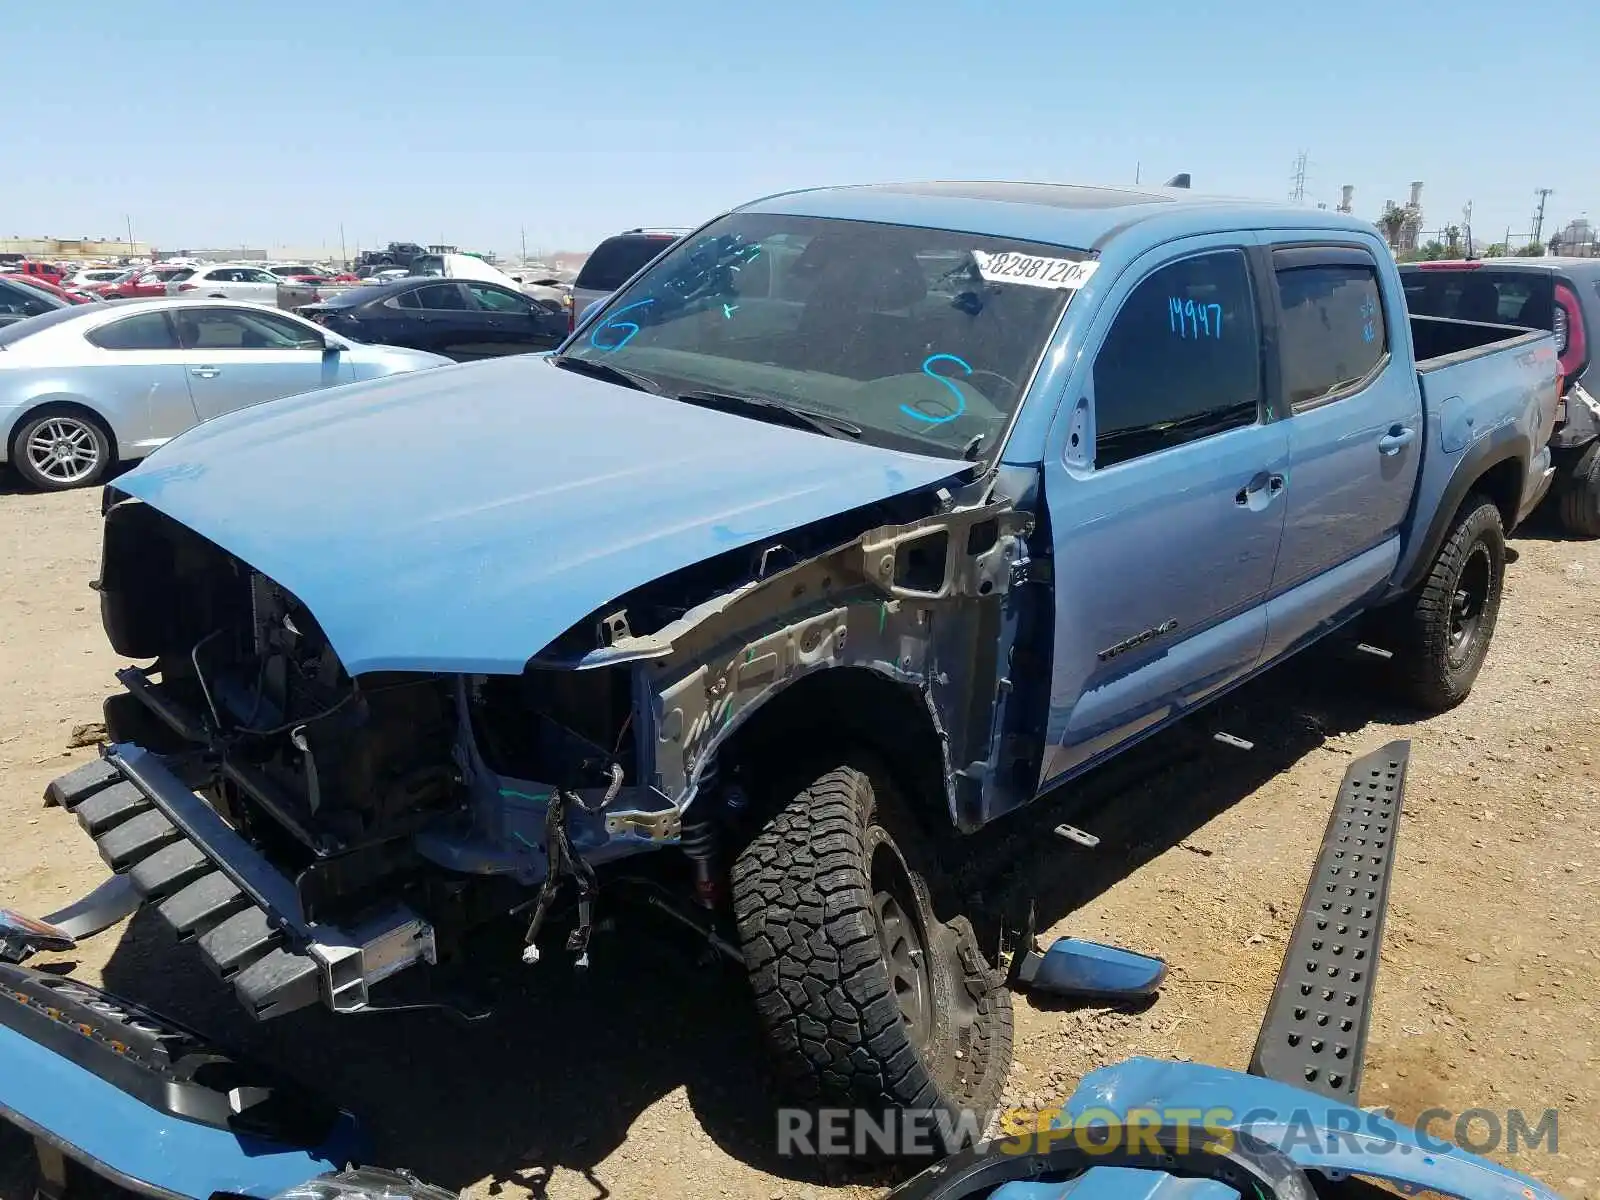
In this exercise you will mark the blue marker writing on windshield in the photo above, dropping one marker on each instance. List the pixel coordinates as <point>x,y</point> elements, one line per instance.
<point>949,384</point>
<point>728,310</point>
<point>612,323</point>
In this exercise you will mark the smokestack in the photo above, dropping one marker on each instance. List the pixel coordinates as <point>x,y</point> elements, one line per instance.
<point>1416,193</point>
<point>1347,196</point>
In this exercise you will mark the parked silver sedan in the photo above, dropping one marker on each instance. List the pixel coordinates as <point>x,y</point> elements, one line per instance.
<point>85,387</point>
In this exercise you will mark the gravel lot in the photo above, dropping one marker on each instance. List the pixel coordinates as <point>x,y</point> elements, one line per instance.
<point>646,1078</point>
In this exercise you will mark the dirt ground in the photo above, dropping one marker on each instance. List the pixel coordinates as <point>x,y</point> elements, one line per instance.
<point>647,1077</point>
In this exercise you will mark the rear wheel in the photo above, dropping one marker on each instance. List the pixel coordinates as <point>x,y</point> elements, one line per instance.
<point>1444,630</point>
<point>866,995</point>
<point>1579,494</point>
<point>60,447</point>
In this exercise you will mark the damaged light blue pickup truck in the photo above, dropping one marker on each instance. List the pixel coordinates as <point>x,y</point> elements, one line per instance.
<point>857,520</point>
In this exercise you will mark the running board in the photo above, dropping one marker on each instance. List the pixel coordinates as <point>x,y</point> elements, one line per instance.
<point>1315,1033</point>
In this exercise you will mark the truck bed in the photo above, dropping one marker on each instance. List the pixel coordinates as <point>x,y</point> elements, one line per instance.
<point>1481,383</point>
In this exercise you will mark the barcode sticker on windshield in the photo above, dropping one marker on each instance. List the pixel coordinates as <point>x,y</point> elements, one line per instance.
<point>1033,270</point>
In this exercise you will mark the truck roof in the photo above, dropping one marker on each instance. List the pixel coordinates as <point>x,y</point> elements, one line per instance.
<point>1065,214</point>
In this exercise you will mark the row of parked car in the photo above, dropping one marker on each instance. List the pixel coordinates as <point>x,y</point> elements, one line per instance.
<point>85,385</point>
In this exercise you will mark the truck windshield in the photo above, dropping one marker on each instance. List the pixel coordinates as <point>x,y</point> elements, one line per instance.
<point>919,338</point>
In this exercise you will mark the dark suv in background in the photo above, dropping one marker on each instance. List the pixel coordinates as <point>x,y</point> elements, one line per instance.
<point>615,261</point>
<point>1559,294</point>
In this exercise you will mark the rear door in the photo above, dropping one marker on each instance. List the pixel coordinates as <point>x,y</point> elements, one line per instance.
<point>1166,503</point>
<point>1355,435</point>
<point>138,382</point>
<point>236,357</point>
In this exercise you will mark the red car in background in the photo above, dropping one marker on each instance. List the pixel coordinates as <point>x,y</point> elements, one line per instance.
<point>312,275</point>
<point>36,272</point>
<point>150,281</point>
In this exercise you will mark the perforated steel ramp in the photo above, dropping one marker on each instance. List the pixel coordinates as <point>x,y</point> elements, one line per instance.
<point>1316,1025</point>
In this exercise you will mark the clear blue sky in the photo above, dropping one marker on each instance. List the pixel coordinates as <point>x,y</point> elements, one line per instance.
<point>270,122</point>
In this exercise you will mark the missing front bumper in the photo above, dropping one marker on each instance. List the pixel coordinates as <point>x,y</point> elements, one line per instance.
<point>213,888</point>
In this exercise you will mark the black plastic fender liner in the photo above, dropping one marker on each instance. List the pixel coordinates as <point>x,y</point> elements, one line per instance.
<point>1315,1030</point>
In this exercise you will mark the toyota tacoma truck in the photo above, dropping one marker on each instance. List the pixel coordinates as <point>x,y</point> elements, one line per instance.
<point>856,521</point>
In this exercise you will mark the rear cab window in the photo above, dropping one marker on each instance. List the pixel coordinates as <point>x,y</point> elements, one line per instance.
<point>617,259</point>
<point>1181,361</point>
<point>1333,332</point>
<point>1471,293</point>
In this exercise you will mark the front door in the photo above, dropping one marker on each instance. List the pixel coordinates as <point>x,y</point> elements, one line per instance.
<point>1355,437</point>
<point>514,325</point>
<point>1166,504</point>
<point>237,357</point>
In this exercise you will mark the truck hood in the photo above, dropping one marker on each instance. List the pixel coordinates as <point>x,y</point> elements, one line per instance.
<point>460,519</point>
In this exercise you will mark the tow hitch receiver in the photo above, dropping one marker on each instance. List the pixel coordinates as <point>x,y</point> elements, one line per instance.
<point>1315,1031</point>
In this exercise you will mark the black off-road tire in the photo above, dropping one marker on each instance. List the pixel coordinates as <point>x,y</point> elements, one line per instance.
<point>1579,494</point>
<point>1442,633</point>
<point>808,895</point>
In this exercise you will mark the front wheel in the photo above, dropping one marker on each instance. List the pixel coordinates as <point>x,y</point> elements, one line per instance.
<point>1579,494</point>
<point>1444,630</point>
<point>866,996</point>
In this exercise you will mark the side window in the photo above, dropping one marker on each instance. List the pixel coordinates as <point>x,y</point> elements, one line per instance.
<point>440,296</point>
<point>1181,361</point>
<point>19,301</point>
<point>405,300</point>
<point>492,299</point>
<point>147,331</point>
<point>235,329</point>
<point>1333,329</point>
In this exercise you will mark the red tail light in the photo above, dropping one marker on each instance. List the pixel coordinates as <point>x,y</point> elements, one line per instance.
<point>1471,264</point>
<point>1572,341</point>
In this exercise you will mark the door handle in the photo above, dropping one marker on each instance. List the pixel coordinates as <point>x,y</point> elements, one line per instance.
<point>1398,437</point>
<point>1271,483</point>
<point>206,372</point>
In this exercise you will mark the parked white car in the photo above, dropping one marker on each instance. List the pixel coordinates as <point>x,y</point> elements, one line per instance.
<point>88,386</point>
<point>230,281</point>
<point>85,276</point>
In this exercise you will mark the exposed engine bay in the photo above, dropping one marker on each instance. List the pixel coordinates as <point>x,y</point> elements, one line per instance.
<point>458,793</point>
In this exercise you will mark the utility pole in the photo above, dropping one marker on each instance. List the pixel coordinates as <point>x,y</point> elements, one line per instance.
<point>1297,194</point>
<point>1136,168</point>
<point>343,261</point>
<point>128,221</point>
<point>1466,220</point>
<point>1538,216</point>
<point>524,232</point>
